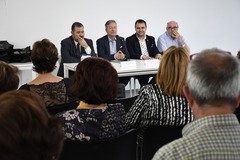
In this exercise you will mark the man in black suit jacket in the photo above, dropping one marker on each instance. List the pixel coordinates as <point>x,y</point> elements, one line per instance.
<point>70,52</point>
<point>142,46</point>
<point>112,46</point>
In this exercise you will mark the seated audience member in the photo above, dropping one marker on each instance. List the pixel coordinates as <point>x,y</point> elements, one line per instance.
<point>28,132</point>
<point>142,46</point>
<point>212,90</point>
<point>171,38</point>
<point>95,83</point>
<point>9,79</point>
<point>163,103</point>
<point>75,46</point>
<point>53,89</point>
<point>112,46</point>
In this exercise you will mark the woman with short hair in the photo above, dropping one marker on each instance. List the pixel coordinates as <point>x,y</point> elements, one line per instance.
<point>95,83</point>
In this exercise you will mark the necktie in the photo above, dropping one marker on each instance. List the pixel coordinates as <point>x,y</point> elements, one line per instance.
<point>79,50</point>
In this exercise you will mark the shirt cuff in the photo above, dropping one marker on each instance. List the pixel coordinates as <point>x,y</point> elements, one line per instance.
<point>88,50</point>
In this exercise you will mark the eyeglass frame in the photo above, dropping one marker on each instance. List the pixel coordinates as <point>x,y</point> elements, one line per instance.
<point>174,28</point>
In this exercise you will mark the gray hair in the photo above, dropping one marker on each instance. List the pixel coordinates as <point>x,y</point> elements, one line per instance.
<point>213,77</point>
<point>109,22</point>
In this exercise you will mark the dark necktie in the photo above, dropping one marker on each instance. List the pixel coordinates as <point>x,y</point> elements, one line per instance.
<point>79,50</point>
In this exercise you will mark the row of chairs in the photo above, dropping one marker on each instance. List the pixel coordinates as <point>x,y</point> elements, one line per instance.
<point>124,147</point>
<point>127,102</point>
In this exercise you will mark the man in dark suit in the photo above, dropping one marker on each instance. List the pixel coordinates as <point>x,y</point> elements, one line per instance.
<point>142,46</point>
<point>113,47</point>
<point>75,47</point>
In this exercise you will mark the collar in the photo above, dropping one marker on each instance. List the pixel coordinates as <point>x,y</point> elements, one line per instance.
<point>109,39</point>
<point>83,105</point>
<point>145,37</point>
<point>210,122</point>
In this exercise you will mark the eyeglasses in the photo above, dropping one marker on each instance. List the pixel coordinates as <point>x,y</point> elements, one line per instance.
<point>174,28</point>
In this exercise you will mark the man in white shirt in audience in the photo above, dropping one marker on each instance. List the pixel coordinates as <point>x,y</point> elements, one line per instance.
<point>213,93</point>
<point>171,38</point>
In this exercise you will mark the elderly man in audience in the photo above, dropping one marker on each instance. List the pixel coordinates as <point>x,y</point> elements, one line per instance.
<point>212,90</point>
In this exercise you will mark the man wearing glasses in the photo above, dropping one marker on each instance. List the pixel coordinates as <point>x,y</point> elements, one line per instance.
<point>171,38</point>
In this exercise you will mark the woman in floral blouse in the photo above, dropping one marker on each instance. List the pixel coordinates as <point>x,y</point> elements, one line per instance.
<point>95,83</point>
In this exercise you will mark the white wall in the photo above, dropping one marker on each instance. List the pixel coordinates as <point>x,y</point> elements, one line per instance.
<point>203,23</point>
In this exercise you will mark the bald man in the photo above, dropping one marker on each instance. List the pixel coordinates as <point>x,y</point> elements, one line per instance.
<point>171,38</point>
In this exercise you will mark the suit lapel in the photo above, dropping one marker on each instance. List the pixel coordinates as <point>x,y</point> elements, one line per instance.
<point>107,45</point>
<point>137,44</point>
<point>148,43</point>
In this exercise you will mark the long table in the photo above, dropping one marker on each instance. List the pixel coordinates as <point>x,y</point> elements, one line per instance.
<point>142,67</point>
<point>23,67</point>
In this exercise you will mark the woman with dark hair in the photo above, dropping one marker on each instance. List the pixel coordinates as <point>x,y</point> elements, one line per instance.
<point>53,89</point>
<point>163,103</point>
<point>95,83</point>
<point>28,132</point>
<point>9,79</point>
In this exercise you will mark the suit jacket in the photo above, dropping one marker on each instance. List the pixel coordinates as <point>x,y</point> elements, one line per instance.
<point>134,46</point>
<point>103,47</point>
<point>69,54</point>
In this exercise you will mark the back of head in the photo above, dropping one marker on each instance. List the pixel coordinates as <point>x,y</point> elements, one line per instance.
<point>213,78</point>
<point>9,79</point>
<point>238,55</point>
<point>95,81</point>
<point>172,71</point>
<point>28,132</point>
<point>44,56</point>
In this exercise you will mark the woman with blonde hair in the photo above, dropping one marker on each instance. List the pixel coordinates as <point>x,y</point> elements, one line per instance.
<point>163,103</point>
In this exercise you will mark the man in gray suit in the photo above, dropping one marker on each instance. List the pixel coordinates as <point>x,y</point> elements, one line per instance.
<point>75,46</point>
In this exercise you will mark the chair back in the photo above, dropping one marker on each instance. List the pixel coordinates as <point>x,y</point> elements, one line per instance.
<point>123,147</point>
<point>127,102</point>
<point>53,110</point>
<point>155,137</point>
<point>121,91</point>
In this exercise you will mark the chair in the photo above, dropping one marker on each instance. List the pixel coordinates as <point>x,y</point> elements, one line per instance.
<point>127,102</point>
<point>154,137</point>
<point>237,113</point>
<point>121,91</point>
<point>62,107</point>
<point>123,147</point>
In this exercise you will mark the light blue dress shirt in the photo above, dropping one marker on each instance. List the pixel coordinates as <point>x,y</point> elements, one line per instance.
<point>165,41</point>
